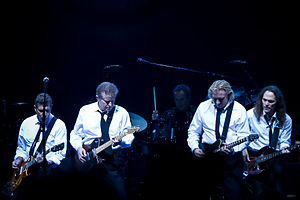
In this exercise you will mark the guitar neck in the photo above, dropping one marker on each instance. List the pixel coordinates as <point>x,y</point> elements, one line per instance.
<point>233,144</point>
<point>274,154</point>
<point>109,143</point>
<point>268,157</point>
<point>33,161</point>
<point>29,163</point>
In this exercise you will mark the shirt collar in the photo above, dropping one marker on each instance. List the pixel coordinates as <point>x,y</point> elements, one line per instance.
<point>47,122</point>
<point>96,108</point>
<point>225,108</point>
<point>273,116</point>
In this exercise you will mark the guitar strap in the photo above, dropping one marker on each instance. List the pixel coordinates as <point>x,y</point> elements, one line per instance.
<point>47,132</point>
<point>35,141</point>
<point>226,123</point>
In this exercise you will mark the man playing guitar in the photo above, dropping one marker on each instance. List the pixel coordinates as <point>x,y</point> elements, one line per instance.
<point>106,121</point>
<point>219,118</point>
<point>30,146</point>
<point>269,119</point>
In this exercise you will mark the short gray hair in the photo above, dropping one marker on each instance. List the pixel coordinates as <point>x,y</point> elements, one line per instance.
<point>107,88</point>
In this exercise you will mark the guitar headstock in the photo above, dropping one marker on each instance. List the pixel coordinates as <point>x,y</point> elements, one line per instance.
<point>58,147</point>
<point>253,137</point>
<point>132,130</point>
<point>128,131</point>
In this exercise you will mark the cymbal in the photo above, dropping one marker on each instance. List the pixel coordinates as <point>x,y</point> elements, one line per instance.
<point>137,120</point>
<point>20,103</point>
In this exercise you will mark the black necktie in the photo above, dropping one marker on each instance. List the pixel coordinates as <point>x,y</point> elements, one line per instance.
<point>269,126</point>
<point>104,130</point>
<point>219,111</point>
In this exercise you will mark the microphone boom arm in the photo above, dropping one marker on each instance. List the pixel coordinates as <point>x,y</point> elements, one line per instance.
<point>189,70</point>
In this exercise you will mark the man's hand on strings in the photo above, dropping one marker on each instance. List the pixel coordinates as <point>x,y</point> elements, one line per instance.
<point>225,150</point>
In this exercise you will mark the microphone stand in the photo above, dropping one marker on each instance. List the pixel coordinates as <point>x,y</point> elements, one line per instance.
<point>44,164</point>
<point>189,70</point>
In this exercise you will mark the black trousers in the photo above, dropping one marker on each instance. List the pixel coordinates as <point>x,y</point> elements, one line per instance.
<point>269,181</point>
<point>96,180</point>
<point>220,177</point>
<point>112,173</point>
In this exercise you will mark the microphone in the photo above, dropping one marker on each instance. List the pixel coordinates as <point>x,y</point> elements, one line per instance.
<point>141,60</point>
<point>113,67</point>
<point>46,80</point>
<point>237,61</point>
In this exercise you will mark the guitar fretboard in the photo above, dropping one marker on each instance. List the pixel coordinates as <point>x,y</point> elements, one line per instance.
<point>33,161</point>
<point>274,154</point>
<point>237,143</point>
<point>110,142</point>
<point>231,145</point>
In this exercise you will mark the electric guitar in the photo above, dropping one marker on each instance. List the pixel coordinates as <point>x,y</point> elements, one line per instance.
<point>265,154</point>
<point>216,146</point>
<point>92,151</point>
<point>23,172</point>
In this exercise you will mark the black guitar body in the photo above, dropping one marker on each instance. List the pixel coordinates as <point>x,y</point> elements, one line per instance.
<point>216,146</point>
<point>265,151</point>
<point>263,166</point>
<point>209,148</point>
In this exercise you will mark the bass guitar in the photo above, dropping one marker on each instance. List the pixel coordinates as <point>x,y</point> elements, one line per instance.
<point>265,154</point>
<point>217,145</point>
<point>23,172</point>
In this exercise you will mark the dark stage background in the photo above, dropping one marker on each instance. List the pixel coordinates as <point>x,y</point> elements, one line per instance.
<point>72,41</point>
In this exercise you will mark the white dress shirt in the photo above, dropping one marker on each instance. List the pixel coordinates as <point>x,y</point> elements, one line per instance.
<point>261,127</point>
<point>87,126</point>
<point>204,120</point>
<point>27,134</point>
